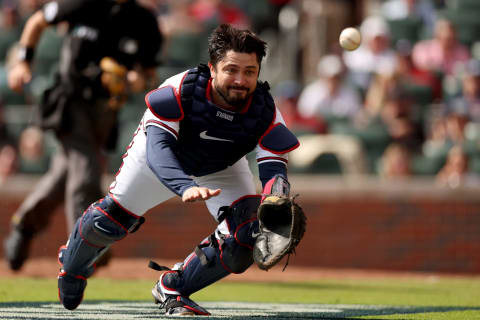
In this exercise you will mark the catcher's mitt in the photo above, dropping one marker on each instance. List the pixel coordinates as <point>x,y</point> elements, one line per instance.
<point>282,224</point>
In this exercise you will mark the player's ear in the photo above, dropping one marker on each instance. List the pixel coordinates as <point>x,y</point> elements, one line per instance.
<point>212,69</point>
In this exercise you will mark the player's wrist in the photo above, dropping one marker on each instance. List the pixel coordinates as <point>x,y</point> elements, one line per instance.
<point>25,54</point>
<point>186,188</point>
<point>278,185</point>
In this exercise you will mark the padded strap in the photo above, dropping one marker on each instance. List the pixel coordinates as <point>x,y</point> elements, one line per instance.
<point>155,266</point>
<point>128,220</point>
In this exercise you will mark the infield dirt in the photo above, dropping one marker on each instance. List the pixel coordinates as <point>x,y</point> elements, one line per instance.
<point>137,268</point>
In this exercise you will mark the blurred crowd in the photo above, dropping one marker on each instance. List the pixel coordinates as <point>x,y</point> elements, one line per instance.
<point>405,103</point>
<point>409,96</point>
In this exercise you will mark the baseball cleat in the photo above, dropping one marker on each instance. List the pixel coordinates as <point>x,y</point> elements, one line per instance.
<point>70,289</point>
<point>175,304</point>
<point>17,247</point>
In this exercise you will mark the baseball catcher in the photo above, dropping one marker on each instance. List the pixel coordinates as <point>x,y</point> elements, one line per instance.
<point>192,142</point>
<point>282,224</point>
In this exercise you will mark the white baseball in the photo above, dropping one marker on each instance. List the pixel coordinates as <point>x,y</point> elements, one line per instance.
<point>350,39</point>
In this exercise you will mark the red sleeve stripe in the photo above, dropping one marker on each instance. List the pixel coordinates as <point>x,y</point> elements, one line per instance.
<point>266,159</point>
<point>163,125</point>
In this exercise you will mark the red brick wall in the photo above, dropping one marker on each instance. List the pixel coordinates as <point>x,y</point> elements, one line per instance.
<point>365,227</point>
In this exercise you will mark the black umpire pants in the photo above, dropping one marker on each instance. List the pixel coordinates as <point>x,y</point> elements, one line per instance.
<point>75,172</point>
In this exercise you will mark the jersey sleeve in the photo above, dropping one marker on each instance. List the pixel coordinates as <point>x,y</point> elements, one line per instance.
<point>164,164</point>
<point>58,11</point>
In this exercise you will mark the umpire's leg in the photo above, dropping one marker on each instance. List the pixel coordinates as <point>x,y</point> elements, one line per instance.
<point>84,163</point>
<point>35,212</point>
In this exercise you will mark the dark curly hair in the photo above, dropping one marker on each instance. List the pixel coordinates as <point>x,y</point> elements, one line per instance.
<point>225,38</point>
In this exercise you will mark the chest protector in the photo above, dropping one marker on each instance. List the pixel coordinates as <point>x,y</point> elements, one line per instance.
<point>210,138</point>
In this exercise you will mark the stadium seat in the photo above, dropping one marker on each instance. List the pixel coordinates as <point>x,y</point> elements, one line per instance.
<point>407,28</point>
<point>463,5</point>
<point>466,23</point>
<point>328,154</point>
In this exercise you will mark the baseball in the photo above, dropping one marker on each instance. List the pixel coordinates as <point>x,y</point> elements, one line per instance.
<point>350,39</point>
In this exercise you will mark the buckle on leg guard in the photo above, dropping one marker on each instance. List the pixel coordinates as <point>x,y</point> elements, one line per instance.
<point>136,225</point>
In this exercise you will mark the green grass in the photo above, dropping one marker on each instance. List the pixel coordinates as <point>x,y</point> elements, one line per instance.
<point>441,298</point>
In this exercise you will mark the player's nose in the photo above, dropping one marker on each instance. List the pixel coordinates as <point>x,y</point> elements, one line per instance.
<point>240,80</point>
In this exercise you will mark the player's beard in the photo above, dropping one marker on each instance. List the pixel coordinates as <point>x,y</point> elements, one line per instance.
<point>234,99</point>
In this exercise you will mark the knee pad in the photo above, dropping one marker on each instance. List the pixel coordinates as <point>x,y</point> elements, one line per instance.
<point>103,223</point>
<point>241,221</point>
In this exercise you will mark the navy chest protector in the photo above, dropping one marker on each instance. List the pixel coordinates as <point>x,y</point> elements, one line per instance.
<point>210,138</point>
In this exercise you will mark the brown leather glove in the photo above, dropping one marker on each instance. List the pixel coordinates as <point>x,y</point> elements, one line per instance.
<point>282,224</point>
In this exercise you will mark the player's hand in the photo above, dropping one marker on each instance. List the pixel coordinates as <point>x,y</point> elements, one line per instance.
<point>199,193</point>
<point>18,76</point>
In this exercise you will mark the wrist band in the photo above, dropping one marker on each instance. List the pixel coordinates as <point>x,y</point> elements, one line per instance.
<point>25,54</point>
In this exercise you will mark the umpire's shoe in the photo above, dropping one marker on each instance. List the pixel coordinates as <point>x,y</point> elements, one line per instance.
<point>70,287</point>
<point>17,248</point>
<point>175,304</point>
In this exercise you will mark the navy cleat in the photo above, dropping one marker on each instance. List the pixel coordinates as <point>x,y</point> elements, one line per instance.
<point>16,247</point>
<point>70,287</point>
<point>176,304</point>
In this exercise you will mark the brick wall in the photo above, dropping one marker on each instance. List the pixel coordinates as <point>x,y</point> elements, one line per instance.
<point>366,225</point>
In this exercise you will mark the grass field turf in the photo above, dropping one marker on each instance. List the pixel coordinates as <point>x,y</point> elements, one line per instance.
<point>452,298</point>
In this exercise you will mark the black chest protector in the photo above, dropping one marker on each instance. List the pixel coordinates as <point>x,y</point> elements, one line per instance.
<point>211,138</point>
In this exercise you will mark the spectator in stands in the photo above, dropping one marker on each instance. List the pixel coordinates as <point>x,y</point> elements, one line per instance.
<point>10,27</point>
<point>412,76</point>
<point>394,121</point>
<point>381,86</point>
<point>398,116</point>
<point>330,98</point>
<point>8,152</point>
<point>28,7</point>
<point>422,10</point>
<point>395,162</point>
<point>31,151</point>
<point>455,172</point>
<point>469,102</point>
<point>443,52</point>
<point>374,56</point>
<point>445,131</point>
<point>388,99</point>
<point>212,13</point>
<point>286,95</point>
<point>8,161</point>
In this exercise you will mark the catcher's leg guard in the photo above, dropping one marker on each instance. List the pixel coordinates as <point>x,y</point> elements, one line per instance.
<point>103,223</point>
<point>227,250</point>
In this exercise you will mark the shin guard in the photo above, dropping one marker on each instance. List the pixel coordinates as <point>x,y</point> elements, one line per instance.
<point>103,223</point>
<point>220,254</point>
